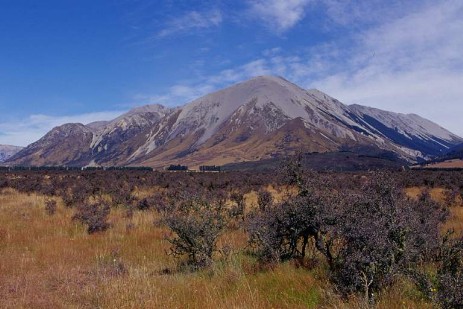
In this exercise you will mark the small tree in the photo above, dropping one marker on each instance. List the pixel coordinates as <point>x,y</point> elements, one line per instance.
<point>196,225</point>
<point>282,231</point>
<point>382,233</point>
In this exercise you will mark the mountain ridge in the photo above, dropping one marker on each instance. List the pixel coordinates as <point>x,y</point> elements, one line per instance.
<point>7,151</point>
<point>264,117</point>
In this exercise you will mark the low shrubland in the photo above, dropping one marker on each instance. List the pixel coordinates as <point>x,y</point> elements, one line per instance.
<point>294,240</point>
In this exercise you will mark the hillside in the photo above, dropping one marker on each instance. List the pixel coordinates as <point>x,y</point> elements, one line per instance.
<point>6,151</point>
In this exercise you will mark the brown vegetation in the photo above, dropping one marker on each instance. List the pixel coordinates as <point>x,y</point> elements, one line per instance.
<point>49,260</point>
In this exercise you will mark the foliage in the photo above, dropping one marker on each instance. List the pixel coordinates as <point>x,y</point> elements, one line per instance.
<point>264,199</point>
<point>282,231</point>
<point>239,207</point>
<point>368,236</point>
<point>50,206</point>
<point>382,233</point>
<point>450,276</point>
<point>444,286</point>
<point>94,215</point>
<point>364,228</point>
<point>196,224</point>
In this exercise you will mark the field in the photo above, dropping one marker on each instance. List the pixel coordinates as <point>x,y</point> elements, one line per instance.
<point>49,259</point>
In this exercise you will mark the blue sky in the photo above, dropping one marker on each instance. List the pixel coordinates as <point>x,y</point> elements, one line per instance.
<point>86,60</point>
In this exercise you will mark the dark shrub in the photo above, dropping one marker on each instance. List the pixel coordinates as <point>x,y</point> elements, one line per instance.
<point>450,276</point>
<point>50,207</point>
<point>264,199</point>
<point>445,285</point>
<point>144,204</point>
<point>238,209</point>
<point>282,231</point>
<point>95,216</point>
<point>381,233</point>
<point>196,225</point>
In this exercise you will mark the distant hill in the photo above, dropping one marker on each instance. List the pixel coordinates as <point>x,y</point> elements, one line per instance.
<point>453,159</point>
<point>455,152</point>
<point>6,151</point>
<point>346,161</point>
<point>264,118</point>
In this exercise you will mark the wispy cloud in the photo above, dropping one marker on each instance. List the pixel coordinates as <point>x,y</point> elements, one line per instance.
<point>411,63</point>
<point>22,132</point>
<point>192,21</point>
<point>354,12</point>
<point>183,93</point>
<point>279,15</point>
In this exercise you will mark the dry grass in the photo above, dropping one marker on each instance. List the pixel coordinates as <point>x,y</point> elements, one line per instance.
<point>454,163</point>
<point>51,262</point>
<point>455,220</point>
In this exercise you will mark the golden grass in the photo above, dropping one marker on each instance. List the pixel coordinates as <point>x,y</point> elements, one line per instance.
<point>51,262</point>
<point>455,220</point>
<point>437,194</point>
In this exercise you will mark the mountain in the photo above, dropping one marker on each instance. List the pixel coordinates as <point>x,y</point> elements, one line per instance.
<point>410,131</point>
<point>65,144</point>
<point>455,152</point>
<point>453,159</point>
<point>262,118</point>
<point>6,151</point>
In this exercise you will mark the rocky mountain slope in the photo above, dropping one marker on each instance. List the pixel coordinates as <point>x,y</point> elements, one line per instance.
<point>410,131</point>
<point>265,117</point>
<point>6,151</point>
<point>455,152</point>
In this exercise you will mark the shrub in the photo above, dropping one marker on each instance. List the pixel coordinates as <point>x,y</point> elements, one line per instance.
<point>196,225</point>
<point>381,234</point>
<point>95,216</point>
<point>144,204</point>
<point>264,199</point>
<point>282,231</point>
<point>450,276</point>
<point>444,286</point>
<point>238,209</point>
<point>50,207</point>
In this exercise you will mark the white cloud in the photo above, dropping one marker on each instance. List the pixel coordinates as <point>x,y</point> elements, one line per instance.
<point>351,12</point>
<point>280,15</point>
<point>22,132</point>
<point>192,21</point>
<point>177,94</point>
<point>410,62</point>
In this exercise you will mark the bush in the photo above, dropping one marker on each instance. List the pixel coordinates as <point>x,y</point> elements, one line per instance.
<point>450,276</point>
<point>264,199</point>
<point>50,207</point>
<point>368,235</point>
<point>381,234</point>
<point>196,225</point>
<point>444,286</point>
<point>237,211</point>
<point>95,216</point>
<point>282,231</point>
